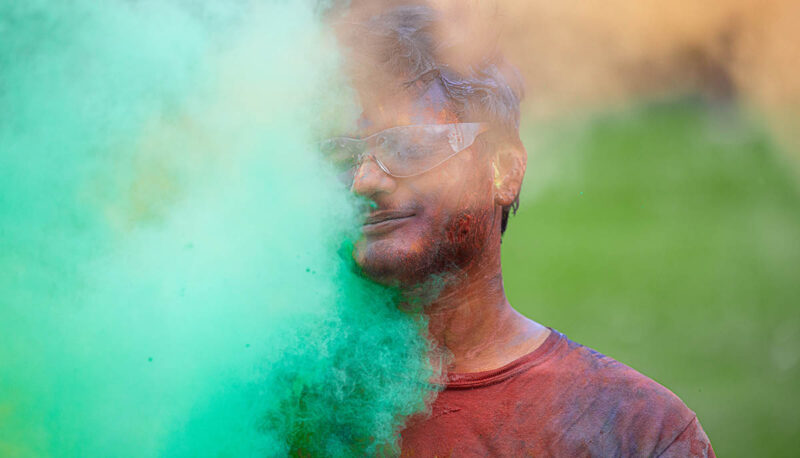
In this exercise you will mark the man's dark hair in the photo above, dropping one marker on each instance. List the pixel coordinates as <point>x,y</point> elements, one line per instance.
<point>418,45</point>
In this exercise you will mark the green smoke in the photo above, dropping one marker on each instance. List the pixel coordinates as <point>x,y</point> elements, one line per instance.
<point>175,276</point>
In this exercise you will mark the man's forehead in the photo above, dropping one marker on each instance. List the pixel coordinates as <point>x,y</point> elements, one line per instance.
<point>405,106</point>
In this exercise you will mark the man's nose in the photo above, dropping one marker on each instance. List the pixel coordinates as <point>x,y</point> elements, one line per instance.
<point>370,180</point>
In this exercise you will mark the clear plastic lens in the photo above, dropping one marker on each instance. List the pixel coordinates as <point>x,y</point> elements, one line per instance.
<point>402,151</point>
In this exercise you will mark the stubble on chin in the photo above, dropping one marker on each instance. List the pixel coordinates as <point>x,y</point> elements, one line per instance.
<point>427,261</point>
<point>399,266</point>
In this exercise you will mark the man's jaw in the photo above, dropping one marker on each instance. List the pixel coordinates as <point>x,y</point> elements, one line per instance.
<point>400,255</point>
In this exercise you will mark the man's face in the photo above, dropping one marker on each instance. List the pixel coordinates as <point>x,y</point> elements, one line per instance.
<point>438,222</point>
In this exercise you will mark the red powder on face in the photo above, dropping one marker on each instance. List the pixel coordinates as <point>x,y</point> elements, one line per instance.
<point>458,232</point>
<point>445,116</point>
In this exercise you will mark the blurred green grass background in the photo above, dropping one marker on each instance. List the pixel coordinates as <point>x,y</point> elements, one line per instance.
<point>667,236</point>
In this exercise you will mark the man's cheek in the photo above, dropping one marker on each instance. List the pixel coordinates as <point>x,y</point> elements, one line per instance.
<point>458,230</point>
<point>469,228</point>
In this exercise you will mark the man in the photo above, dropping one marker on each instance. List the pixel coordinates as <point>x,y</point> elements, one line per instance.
<point>440,157</point>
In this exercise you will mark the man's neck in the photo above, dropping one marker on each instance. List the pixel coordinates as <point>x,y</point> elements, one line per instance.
<point>474,321</point>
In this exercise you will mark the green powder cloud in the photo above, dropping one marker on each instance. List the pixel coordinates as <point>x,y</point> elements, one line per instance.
<point>175,270</point>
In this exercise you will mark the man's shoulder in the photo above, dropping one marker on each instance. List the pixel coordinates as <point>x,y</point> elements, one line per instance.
<point>588,369</point>
<point>614,407</point>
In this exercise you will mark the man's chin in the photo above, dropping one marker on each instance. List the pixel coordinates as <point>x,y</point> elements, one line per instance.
<point>384,262</point>
<point>376,262</point>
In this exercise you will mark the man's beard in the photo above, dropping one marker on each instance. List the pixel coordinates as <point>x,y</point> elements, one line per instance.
<point>436,261</point>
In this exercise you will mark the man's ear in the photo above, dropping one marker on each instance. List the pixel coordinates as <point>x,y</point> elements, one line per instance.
<point>509,169</point>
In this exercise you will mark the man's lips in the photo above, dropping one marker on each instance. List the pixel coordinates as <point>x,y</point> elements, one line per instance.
<point>385,215</point>
<point>383,221</point>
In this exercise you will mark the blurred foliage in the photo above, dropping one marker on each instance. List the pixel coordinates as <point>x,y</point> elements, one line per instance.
<point>667,236</point>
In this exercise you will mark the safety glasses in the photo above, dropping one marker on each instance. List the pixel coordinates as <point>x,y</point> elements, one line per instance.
<point>403,151</point>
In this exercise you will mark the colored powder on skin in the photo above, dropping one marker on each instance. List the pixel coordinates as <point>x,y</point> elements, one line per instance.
<point>175,267</point>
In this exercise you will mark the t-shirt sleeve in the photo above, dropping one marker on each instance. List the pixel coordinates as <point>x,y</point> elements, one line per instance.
<point>691,442</point>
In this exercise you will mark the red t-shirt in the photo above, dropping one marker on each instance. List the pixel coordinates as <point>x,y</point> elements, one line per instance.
<point>563,399</point>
